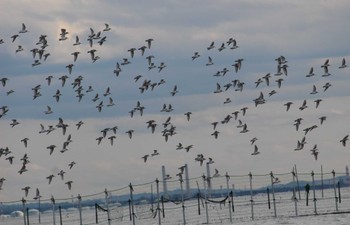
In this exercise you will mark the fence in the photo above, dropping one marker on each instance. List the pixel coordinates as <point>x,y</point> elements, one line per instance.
<point>216,199</point>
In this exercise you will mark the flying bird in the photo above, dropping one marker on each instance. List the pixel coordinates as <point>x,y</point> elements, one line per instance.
<point>256,150</point>
<point>69,184</point>
<point>344,140</point>
<point>343,64</point>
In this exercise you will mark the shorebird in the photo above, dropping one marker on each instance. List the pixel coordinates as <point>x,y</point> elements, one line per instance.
<point>179,146</point>
<point>314,151</point>
<point>107,28</point>
<point>216,173</point>
<point>14,37</point>
<point>75,55</point>
<point>19,48</point>
<point>174,91</point>
<point>267,79</point>
<point>37,194</point>
<point>26,191</point>
<point>325,68</point>
<point>100,106</point>
<point>10,159</point>
<point>77,42</point>
<point>111,138</point>
<point>200,158</point>
<point>244,130</point>
<point>234,43</point>
<point>344,140</point>
<point>71,164</point>
<point>218,88</point>
<point>210,61</point>
<point>61,174</point>
<point>326,86</point>
<point>50,177</point>
<point>149,42</point>
<point>142,49</point>
<point>25,141</point>
<point>51,148</point>
<point>111,102</point>
<point>317,101</point>
<point>195,55</point>
<point>4,81</point>
<point>244,110</point>
<point>14,123</point>
<point>188,115</point>
<point>211,46</point>
<point>253,140</point>
<point>64,78</point>
<point>69,184</point>
<point>303,106</point>
<point>314,91</point>
<point>63,35</point>
<point>222,47</point>
<point>145,157</point>
<point>343,64</point>
<point>49,79</point>
<point>215,134</point>
<point>288,104</point>
<point>256,150</point>
<point>155,152</point>
<point>23,30</point>
<point>130,132</point>
<point>187,148</point>
<point>2,182</point>
<point>322,119</point>
<point>311,72</point>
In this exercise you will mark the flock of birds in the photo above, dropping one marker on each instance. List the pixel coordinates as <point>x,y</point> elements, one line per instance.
<point>101,101</point>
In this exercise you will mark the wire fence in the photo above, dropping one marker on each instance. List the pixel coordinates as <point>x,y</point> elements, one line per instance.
<point>215,199</point>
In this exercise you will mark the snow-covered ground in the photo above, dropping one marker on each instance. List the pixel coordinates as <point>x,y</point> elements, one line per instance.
<point>328,212</point>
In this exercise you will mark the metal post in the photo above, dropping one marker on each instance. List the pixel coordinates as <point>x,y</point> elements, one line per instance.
<point>339,196</point>
<point>24,211</point>
<point>187,179</point>
<point>27,216</point>
<point>314,192</point>
<point>268,198</point>
<point>163,211</point>
<point>322,181</point>
<point>53,210</point>
<point>208,179</point>
<point>152,208</point>
<point>39,209</point>
<point>60,214</point>
<point>96,214</point>
<point>182,201</point>
<point>158,202</point>
<point>206,201</point>
<point>165,187</point>
<point>228,194</point>
<point>294,195</point>
<point>251,194</point>
<point>132,204</point>
<point>107,206</point>
<point>79,208</point>
<point>273,194</point>
<point>233,193</point>
<point>296,176</point>
<point>335,191</point>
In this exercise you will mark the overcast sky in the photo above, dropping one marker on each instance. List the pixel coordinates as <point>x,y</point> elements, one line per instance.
<point>306,33</point>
